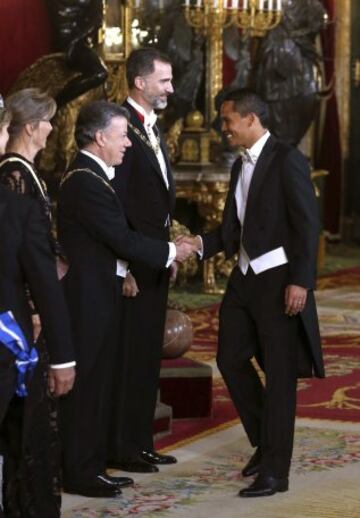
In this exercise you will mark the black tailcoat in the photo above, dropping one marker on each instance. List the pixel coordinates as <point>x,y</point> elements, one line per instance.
<point>281,211</point>
<point>148,204</point>
<point>94,234</point>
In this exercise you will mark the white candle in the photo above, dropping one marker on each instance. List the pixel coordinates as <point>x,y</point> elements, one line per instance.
<point>278,5</point>
<point>245,4</point>
<point>161,4</point>
<point>234,4</point>
<point>261,5</point>
<point>198,3</point>
<point>215,4</point>
<point>225,4</point>
<point>187,3</point>
<point>270,5</point>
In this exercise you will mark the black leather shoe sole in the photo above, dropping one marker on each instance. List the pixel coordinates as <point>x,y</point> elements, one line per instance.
<point>116,481</point>
<point>156,458</point>
<point>259,488</point>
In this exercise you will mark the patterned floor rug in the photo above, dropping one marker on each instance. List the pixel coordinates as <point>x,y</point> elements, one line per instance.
<point>323,482</point>
<point>211,452</point>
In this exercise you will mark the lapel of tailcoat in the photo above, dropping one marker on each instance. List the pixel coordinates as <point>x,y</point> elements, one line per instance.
<point>259,174</point>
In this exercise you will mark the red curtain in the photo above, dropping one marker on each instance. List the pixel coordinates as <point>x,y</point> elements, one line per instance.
<point>24,37</point>
<point>330,156</point>
<point>228,70</point>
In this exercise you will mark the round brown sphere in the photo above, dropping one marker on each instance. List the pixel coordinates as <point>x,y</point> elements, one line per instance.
<point>178,334</point>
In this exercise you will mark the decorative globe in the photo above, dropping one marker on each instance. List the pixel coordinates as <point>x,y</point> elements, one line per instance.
<point>194,120</point>
<point>178,334</point>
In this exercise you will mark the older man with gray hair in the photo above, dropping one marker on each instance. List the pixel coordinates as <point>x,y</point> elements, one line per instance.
<point>98,243</point>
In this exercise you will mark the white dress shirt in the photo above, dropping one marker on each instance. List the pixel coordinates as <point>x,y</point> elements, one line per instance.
<point>149,121</point>
<point>274,257</point>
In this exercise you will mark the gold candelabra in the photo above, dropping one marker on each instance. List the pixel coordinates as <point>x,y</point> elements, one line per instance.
<point>212,16</point>
<point>258,16</point>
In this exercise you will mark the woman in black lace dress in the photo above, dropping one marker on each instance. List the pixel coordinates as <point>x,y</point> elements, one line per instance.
<point>31,473</point>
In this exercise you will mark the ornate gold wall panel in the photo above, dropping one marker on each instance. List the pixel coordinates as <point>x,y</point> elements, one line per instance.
<point>343,69</point>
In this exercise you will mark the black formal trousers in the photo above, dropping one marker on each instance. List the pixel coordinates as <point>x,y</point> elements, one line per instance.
<point>253,324</point>
<point>84,412</point>
<point>140,358</point>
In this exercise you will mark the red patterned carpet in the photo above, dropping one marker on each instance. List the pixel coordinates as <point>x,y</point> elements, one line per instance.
<point>335,398</point>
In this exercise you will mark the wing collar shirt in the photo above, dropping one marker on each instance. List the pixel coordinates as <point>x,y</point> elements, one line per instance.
<point>274,257</point>
<point>122,266</point>
<point>149,123</point>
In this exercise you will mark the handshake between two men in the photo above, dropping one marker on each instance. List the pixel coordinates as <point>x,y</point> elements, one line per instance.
<point>186,245</point>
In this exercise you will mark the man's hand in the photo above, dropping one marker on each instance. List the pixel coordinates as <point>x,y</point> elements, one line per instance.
<point>61,267</point>
<point>183,251</point>
<point>130,287</point>
<point>173,271</point>
<point>36,322</point>
<point>295,299</point>
<point>61,381</point>
<point>193,241</point>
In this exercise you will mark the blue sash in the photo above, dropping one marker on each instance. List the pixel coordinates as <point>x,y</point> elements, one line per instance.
<point>13,339</point>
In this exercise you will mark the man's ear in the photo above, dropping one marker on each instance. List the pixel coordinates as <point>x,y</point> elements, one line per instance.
<point>252,118</point>
<point>99,138</point>
<point>139,82</point>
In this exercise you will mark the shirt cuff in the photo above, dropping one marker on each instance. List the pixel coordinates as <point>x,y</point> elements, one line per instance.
<point>201,251</point>
<point>172,254</point>
<point>63,365</point>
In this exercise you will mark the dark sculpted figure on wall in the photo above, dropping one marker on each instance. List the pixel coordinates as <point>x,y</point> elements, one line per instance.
<point>75,29</point>
<point>286,68</point>
<point>288,75</point>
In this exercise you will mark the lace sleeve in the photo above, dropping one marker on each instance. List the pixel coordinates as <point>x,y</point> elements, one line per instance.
<point>15,181</point>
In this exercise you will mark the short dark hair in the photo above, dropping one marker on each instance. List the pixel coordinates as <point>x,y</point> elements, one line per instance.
<point>141,63</point>
<point>248,101</point>
<point>96,116</point>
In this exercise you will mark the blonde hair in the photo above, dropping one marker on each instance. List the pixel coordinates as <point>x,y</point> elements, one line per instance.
<point>29,105</point>
<point>5,115</point>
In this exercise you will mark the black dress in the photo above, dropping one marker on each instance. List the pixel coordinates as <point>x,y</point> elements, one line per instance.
<point>32,486</point>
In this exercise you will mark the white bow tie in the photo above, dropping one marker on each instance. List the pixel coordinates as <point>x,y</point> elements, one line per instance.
<point>247,157</point>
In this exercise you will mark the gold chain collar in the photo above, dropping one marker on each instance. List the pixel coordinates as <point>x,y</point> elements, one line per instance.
<point>68,175</point>
<point>146,141</point>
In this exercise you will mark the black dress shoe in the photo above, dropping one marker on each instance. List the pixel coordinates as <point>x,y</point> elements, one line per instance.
<point>253,466</point>
<point>134,465</point>
<point>99,487</point>
<point>265,485</point>
<point>155,458</point>
<point>116,481</point>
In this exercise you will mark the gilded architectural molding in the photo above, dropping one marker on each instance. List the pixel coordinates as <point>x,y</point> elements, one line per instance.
<point>343,69</point>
